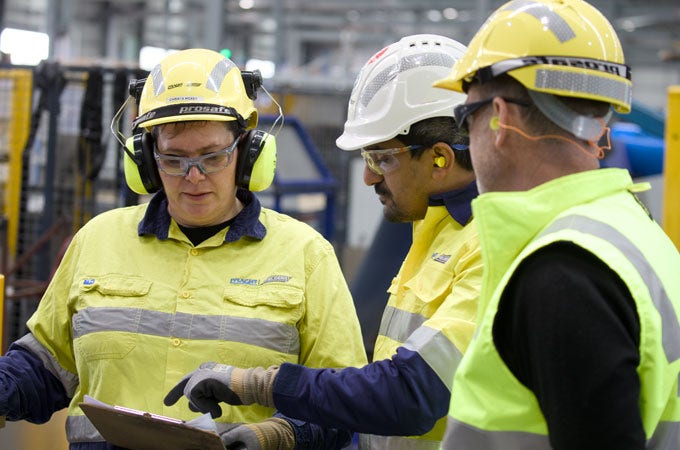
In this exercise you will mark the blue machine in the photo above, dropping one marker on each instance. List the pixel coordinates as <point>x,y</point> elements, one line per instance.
<point>637,142</point>
<point>303,186</point>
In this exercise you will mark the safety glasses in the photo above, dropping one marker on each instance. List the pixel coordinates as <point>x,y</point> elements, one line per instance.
<point>463,112</point>
<point>179,166</point>
<point>383,161</point>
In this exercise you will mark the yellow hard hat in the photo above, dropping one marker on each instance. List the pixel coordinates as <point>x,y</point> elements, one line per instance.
<point>561,47</point>
<point>195,84</point>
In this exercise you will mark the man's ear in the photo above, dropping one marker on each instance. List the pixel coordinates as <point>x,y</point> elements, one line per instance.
<point>500,116</point>
<point>442,158</point>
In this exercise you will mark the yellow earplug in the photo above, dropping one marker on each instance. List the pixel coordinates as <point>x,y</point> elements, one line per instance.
<point>440,161</point>
<point>493,123</point>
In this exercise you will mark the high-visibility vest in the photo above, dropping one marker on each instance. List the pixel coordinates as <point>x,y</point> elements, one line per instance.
<point>490,408</point>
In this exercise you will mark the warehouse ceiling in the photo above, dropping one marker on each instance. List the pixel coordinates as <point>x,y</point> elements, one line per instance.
<point>322,40</point>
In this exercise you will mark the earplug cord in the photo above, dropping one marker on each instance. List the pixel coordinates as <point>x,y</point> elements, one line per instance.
<point>599,150</point>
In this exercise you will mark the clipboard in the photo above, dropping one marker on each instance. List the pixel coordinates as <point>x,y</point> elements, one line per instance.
<point>139,430</point>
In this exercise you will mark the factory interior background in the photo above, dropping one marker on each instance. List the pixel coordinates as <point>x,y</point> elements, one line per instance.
<point>65,70</point>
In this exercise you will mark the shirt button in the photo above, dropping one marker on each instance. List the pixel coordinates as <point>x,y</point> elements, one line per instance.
<point>176,342</point>
<point>194,252</point>
<point>186,294</point>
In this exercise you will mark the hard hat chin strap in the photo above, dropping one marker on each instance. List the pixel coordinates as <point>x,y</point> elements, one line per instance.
<point>588,128</point>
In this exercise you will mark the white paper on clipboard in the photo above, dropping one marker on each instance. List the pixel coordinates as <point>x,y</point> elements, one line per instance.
<point>140,430</point>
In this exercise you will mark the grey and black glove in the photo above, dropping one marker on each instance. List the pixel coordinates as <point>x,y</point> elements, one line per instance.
<point>213,383</point>
<point>270,434</point>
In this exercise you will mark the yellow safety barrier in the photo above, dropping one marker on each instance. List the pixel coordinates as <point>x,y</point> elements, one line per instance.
<point>671,191</point>
<point>16,89</point>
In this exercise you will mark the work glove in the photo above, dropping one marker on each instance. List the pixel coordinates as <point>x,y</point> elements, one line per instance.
<point>212,383</point>
<point>270,434</point>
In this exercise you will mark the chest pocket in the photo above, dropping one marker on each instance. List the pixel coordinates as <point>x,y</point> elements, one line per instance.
<point>275,302</point>
<point>426,291</point>
<point>268,315</point>
<point>107,321</point>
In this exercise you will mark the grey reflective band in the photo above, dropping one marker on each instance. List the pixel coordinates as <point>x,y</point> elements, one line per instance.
<point>80,429</point>
<point>665,437</point>
<point>69,380</point>
<point>435,59</point>
<point>584,83</point>
<point>373,442</point>
<point>158,81</point>
<point>463,436</point>
<point>398,324</point>
<point>556,24</point>
<point>437,350</point>
<point>274,336</point>
<point>670,331</point>
<point>218,74</point>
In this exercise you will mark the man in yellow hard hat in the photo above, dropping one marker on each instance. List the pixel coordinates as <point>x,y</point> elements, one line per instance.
<point>578,342</point>
<point>202,272</point>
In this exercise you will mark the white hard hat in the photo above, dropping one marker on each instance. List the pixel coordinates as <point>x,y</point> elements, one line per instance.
<point>394,90</point>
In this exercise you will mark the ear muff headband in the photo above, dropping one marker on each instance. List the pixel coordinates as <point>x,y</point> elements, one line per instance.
<point>256,161</point>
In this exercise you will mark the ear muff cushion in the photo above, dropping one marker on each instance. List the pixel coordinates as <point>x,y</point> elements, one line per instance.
<point>141,173</point>
<point>132,175</point>
<point>256,163</point>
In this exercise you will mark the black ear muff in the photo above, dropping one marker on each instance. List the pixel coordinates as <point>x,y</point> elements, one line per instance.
<point>141,172</point>
<point>256,161</point>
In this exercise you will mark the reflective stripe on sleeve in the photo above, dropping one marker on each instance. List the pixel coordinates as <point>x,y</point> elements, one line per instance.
<point>437,350</point>
<point>398,324</point>
<point>68,380</point>
<point>373,442</point>
<point>270,335</point>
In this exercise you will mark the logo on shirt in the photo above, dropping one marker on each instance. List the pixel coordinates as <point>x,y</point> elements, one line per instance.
<point>440,257</point>
<point>248,281</point>
<point>254,282</point>
<point>276,279</point>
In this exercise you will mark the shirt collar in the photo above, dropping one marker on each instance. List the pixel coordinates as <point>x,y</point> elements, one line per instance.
<point>457,202</point>
<point>156,220</point>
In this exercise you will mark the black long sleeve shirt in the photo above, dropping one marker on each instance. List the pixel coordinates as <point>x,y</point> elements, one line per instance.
<point>568,329</point>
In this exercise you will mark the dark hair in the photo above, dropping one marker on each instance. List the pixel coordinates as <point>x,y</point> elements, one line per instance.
<point>536,121</point>
<point>428,132</point>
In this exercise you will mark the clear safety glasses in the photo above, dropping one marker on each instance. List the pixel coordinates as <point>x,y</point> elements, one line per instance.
<point>179,166</point>
<point>384,160</point>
